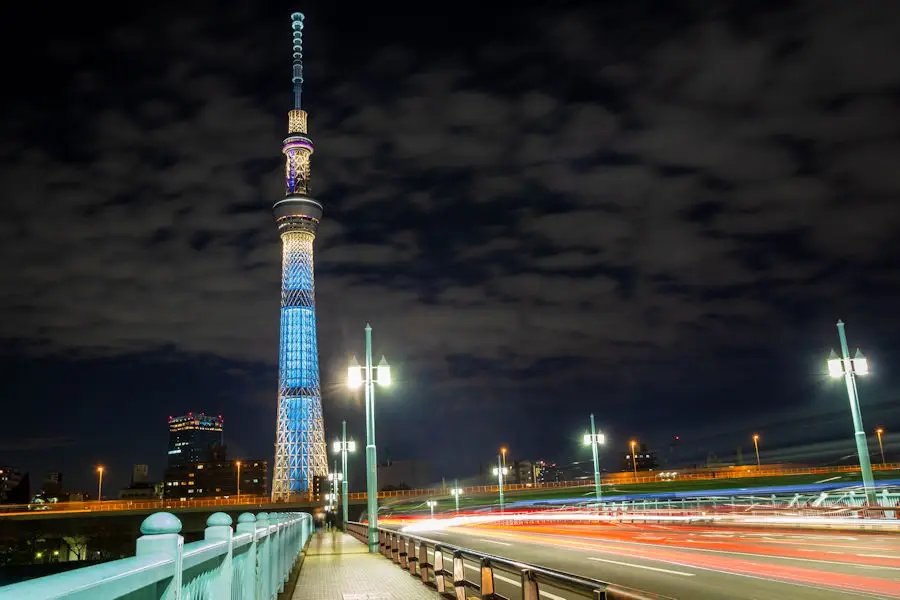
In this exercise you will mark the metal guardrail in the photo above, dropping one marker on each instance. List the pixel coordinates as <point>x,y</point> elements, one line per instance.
<point>446,571</point>
<point>252,563</point>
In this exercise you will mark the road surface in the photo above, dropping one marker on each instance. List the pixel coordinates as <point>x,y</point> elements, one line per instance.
<point>697,563</point>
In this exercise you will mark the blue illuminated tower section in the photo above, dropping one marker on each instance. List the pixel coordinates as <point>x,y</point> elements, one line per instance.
<point>300,452</point>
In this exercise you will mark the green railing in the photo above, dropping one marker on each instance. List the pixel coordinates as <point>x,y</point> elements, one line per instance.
<point>251,563</point>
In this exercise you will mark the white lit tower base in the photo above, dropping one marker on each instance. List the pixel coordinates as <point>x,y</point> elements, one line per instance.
<point>300,452</point>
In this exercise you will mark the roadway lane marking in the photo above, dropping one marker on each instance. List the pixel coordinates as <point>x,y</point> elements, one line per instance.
<point>829,479</point>
<point>543,593</point>
<point>493,542</point>
<point>625,564</point>
<point>894,556</point>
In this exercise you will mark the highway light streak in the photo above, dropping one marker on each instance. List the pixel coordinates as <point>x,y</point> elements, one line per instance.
<point>728,564</point>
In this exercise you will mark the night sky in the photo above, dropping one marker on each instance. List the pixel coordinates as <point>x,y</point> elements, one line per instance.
<point>653,213</point>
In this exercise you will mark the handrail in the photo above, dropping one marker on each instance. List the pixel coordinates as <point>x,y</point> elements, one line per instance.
<point>412,551</point>
<point>164,567</point>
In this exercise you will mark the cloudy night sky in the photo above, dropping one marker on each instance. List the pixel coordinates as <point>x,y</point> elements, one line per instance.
<point>652,213</point>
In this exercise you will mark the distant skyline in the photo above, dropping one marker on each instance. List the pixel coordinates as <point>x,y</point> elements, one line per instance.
<point>650,212</point>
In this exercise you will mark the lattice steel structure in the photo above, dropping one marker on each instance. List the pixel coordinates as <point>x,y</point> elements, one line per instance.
<point>300,452</point>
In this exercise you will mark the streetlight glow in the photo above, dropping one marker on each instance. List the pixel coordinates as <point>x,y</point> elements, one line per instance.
<point>384,372</point>
<point>351,446</point>
<point>835,365</point>
<point>860,364</point>
<point>500,471</point>
<point>354,373</point>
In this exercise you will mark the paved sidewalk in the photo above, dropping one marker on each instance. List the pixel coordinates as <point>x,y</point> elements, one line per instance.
<point>338,567</point>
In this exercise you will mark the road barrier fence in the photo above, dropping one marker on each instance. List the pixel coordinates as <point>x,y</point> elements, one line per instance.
<point>444,566</point>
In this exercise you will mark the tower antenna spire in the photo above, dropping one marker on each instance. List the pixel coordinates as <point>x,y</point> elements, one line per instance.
<point>297,75</point>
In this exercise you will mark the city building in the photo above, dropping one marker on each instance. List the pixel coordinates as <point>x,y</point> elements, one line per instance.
<point>140,474</point>
<point>194,438</point>
<point>404,475</point>
<point>15,486</point>
<point>300,450</point>
<point>141,488</point>
<point>644,460</point>
<point>216,479</point>
<point>52,485</point>
<point>545,472</point>
<point>321,487</point>
<point>521,472</point>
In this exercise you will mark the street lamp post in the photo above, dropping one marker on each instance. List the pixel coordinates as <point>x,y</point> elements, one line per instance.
<point>594,439</point>
<point>431,504</point>
<point>849,369</point>
<point>503,452</point>
<point>634,458</point>
<point>878,432</point>
<point>756,446</point>
<point>457,491</point>
<point>343,446</point>
<point>238,463</point>
<point>500,472</point>
<point>364,375</point>
<point>100,485</point>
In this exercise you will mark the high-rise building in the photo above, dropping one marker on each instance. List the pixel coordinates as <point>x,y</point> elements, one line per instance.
<point>139,474</point>
<point>194,438</point>
<point>300,451</point>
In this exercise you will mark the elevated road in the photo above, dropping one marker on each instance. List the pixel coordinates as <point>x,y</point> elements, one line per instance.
<point>701,563</point>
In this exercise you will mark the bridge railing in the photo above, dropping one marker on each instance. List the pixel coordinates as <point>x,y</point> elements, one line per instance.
<point>445,568</point>
<point>252,563</point>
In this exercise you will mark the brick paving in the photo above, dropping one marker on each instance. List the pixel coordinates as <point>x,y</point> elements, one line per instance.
<point>338,567</point>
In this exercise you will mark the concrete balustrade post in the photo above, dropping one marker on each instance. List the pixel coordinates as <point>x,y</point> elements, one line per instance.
<point>395,549</point>
<point>459,576</point>
<point>161,536</point>
<point>274,574</point>
<point>401,556</point>
<point>263,558</point>
<point>218,527</point>
<point>424,565</point>
<point>529,585</point>
<point>411,555</point>
<point>438,569</point>
<point>247,524</point>
<point>487,579</point>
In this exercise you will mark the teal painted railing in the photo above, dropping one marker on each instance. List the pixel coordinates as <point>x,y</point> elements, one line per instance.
<point>251,563</point>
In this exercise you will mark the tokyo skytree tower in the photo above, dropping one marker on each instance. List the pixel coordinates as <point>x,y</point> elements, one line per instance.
<point>300,452</point>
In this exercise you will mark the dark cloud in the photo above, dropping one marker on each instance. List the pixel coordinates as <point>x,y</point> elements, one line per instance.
<point>618,187</point>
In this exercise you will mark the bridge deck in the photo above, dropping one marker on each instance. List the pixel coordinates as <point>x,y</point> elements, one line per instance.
<point>338,567</point>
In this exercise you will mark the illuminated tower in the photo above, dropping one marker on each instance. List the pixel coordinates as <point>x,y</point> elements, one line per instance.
<point>300,433</point>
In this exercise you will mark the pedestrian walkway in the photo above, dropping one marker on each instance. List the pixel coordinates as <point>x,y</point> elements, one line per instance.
<point>338,567</point>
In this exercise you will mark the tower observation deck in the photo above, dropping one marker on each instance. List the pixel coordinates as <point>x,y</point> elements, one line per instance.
<point>300,451</point>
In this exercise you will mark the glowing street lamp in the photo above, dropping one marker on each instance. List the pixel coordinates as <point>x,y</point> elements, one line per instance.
<point>503,453</point>
<point>356,376</point>
<point>878,432</point>
<point>848,369</point>
<point>500,471</point>
<point>100,485</point>
<point>238,465</point>
<point>594,439</point>
<point>756,445</point>
<point>431,504</point>
<point>456,493</point>
<point>343,446</point>
<point>633,443</point>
